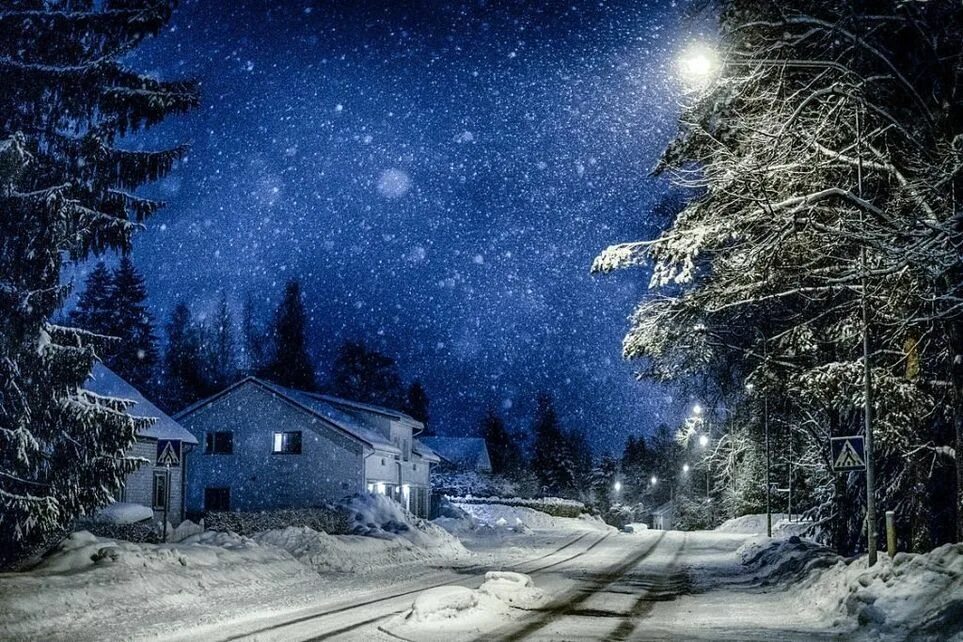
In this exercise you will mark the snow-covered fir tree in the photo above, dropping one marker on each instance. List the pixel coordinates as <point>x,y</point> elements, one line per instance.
<point>135,356</point>
<point>416,404</point>
<point>828,149</point>
<point>360,372</point>
<point>506,454</point>
<point>66,190</point>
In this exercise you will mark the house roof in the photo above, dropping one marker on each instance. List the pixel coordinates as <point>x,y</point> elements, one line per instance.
<point>106,383</point>
<point>425,452</point>
<point>379,410</point>
<point>466,452</point>
<point>329,409</point>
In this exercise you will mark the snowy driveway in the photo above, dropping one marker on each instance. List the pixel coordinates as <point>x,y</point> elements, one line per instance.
<point>598,586</point>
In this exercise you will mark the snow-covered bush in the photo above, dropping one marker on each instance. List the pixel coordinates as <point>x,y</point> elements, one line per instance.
<point>329,519</point>
<point>460,484</point>
<point>555,506</point>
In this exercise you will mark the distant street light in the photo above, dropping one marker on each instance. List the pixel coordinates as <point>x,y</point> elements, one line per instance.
<point>654,480</point>
<point>703,440</point>
<point>697,409</point>
<point>617,486</point>
<point>685,468</point>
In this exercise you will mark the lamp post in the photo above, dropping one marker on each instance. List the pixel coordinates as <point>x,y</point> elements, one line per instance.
<point>699,65</point>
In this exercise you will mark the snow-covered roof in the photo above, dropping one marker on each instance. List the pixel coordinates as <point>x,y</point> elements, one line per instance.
<point>425,452</point>
<point>368,407</point>
<point>469,453</point>
<point>103,381</point>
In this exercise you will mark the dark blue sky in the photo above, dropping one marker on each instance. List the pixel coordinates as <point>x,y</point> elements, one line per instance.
<point>439,177</point>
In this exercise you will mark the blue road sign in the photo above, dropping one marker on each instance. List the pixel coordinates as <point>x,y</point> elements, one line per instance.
<point>848,453</point>
<point>169,452</point>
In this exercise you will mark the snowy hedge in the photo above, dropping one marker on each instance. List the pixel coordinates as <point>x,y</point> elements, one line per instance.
<point>328,519</point>
<point>555,506</point>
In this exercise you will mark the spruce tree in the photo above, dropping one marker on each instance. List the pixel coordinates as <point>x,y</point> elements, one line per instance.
<point>364,374</point>
<point>505,453</point>
<point>290,364</point>
<point>220,348</point>
<point>253,335</point>
<point>134,356</point>
<point>549,446</point>
<point>66,190</point>
<point>183,378</point>
<point>94,307</point>
<point>416,404</point>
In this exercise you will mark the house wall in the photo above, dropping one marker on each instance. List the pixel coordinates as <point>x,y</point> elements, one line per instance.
<point>329,467</point>
<point>139,485</point>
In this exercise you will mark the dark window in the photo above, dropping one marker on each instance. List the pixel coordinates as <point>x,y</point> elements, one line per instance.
<point>160,490</point>
<point>219,443</point>
<point>217,499</point>
<point>287,443</point>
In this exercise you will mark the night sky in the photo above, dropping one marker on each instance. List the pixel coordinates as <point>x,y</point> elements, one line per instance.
<point>439,178</point>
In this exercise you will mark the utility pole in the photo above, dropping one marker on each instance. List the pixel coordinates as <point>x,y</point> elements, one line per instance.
<point>867,372</point>
<point>765,421</point>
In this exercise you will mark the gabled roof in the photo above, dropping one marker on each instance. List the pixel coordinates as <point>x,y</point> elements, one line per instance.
<point>105,382</point>
<point>425,452</point>
<point>318,406</point>
<point>378,410</point>
<point>470,453</point>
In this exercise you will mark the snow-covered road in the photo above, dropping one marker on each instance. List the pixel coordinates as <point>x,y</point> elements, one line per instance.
<point>598,586</point>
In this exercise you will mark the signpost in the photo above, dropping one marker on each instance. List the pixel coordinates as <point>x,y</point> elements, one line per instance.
<point>849,453</point>
<point>169,453</point>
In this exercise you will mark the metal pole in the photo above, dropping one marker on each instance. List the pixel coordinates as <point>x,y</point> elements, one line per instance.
<point>765,406</point>
<point>789,508</point>
<point>891,533</point>
<point>867,374</point>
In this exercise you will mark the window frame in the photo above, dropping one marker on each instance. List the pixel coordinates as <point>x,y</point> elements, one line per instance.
<point>286,441</point>
<point>211,442</point>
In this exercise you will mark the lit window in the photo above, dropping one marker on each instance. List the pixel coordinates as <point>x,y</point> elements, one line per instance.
<point>287,443</point>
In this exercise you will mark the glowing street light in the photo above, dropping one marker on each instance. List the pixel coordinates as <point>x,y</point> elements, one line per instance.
<point>654,480</point>
<point>703,440</point>
<point>698,64</point>
<point>697,410</point>
<point>685,468</point>
<point>617,486</point>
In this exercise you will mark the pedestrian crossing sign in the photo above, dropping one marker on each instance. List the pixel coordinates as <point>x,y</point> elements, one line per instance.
<point>848,453</point>
<point>169,452</point>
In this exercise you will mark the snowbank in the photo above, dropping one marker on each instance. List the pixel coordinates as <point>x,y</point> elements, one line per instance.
<point>86,588</point>
<point>500,515</point>
<point>123,513</point>
<point>912,596</point>
<point>635,527</point>
<point>755,524</point>
<point>379,517</point>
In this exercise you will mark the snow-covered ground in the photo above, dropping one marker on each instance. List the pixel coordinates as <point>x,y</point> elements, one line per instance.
<point>494,571</point>
<point>755,524</point>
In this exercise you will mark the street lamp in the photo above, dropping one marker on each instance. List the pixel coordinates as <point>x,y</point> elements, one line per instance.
<point>654,480</point>
<point>703,440</point>
<point>685,468</point>
<point>617,486</point>
<point>697,410</point>
<point>698,64</point>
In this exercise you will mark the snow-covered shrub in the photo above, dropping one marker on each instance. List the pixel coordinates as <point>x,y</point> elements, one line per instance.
<point>144,532</point>
<point>329,519</point>
<point>619,515</point>
<point>555,506</point>
<point>459,484</point>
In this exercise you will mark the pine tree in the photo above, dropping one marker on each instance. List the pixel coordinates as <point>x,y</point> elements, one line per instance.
<point>505,453</point>
<point>253,333</point>
<point>549,447</point>
<point>94,307</point>
<point>134,358</point>
<point>220,348</point>
<point>290,364</point>
<point>65,190</point>
<point>416,405</point>
<point>183,381</point>
<point>364,374</point>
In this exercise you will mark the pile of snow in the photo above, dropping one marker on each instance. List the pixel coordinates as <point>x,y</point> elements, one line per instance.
<point>89,584</point>
<point>378,516</point>
<point>456,609</point>
<point>123,513</point>
<point>775,561</point>
<point>635,527</point>
<point>755,524</point>
<point>912,596</point>
<point>360,554</point>
<point>520,517</point>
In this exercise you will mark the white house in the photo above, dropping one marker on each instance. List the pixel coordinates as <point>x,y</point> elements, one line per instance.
<point>154,485</point>
<point>462,454</point>
<point>266,447</point>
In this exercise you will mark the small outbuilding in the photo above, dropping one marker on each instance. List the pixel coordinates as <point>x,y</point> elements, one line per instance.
<point>159,483</point>
<point>461,454</point>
